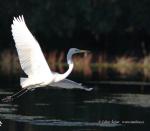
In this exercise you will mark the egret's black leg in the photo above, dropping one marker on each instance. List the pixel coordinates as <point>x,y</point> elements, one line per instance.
<point>22,93</point>
<point>15,96</point>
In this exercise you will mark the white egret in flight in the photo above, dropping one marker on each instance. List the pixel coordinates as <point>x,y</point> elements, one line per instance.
<point>34,64</point>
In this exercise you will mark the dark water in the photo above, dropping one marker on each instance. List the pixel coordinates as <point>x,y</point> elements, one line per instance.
<point>75,110</point>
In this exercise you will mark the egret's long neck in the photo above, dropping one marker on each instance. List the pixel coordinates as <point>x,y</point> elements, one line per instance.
<point>68,71</point>
<point>71,65</point>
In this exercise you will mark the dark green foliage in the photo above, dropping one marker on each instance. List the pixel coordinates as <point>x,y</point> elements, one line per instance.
<point>65,16</point>
<point>67,20</point>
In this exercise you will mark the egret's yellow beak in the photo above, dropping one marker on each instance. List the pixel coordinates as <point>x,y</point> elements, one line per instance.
<point>84,51</point>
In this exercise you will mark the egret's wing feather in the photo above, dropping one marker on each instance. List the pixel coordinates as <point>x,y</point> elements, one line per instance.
<point>68,84</point>
<point>30,55</point>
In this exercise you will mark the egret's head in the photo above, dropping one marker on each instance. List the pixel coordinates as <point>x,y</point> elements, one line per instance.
<point>73,51</point>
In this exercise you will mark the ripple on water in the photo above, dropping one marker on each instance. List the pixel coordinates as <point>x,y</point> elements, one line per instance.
<point>40,120</point>
<point>73,123</point>
<point>8,108</point>
<point>140,100</point>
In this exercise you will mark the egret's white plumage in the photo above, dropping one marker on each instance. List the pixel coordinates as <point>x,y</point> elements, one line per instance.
<point>34,64</point>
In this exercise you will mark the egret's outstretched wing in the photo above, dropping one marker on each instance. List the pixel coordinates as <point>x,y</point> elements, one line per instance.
<point>30,55</point>
<point>68,84</point>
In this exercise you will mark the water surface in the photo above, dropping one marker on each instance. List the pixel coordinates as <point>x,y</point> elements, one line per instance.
<point>58,109</point>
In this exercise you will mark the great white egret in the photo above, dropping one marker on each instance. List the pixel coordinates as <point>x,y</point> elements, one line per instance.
<point>34,64</point>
